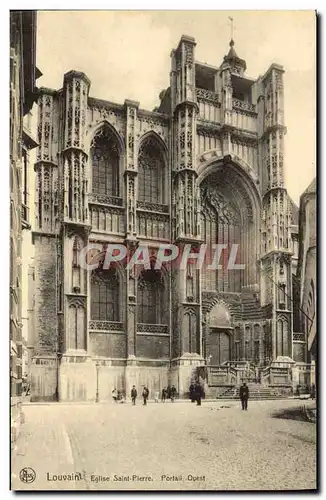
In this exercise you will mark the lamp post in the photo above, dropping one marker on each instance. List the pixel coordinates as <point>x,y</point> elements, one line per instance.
<point>58,359</point>
<point>97,399</point>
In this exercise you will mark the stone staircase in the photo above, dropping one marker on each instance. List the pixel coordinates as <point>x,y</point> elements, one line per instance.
<point>251,310</point>
<point>257,392</point>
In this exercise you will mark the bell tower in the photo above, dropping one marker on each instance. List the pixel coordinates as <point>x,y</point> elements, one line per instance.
<point>276,276</point>
<point>186,215</point>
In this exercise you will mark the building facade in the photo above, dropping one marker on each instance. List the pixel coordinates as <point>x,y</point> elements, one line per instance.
<point>306,275</point>
<point>23,74</point>
<point>205,167</point>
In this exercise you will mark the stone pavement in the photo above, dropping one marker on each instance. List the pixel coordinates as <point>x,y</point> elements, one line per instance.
<point>169,446</point>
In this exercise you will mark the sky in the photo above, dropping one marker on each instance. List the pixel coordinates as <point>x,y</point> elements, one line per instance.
<point>126,55</point>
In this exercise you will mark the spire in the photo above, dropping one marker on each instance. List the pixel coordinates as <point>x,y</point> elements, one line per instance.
<point>237,65</point>
<point>232,53</point>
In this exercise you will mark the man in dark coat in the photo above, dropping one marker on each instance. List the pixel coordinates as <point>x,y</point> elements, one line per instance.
<point>198,392</point>
<point>145,395</point>
<point>163,395</point>
<point>244,396</point>
<point>173,393</point>
<point>192,393</point>
<point>133,395</point>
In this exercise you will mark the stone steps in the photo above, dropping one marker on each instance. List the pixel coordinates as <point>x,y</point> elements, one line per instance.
<point>256,392</point>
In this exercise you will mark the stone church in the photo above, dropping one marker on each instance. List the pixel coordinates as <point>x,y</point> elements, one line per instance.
<point>204,167</point>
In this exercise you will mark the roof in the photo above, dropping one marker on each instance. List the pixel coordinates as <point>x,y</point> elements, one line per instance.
<point>311,188</point>
<point>294,211</point>
<point>232,57</point>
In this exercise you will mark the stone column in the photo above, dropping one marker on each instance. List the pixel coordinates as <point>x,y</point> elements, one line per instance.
<point>186,315</point>
<point>276,241</point>
<point>131,188</point>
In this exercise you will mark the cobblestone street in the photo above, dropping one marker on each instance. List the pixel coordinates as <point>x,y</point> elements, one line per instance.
<point>165,446</point>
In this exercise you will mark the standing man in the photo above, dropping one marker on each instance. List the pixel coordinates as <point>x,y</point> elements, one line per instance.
<point>133,395</point>
<point>173,393</point>
<point>244,396</point>
<point>145,395</point>
<point>192,395</point>
<point>163,395</point>
<point>198,393</point>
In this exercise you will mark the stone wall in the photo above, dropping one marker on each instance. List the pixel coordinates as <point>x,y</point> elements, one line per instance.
<point>44,379</point>
<point>107,344</point>
<point>77,379</point>
<point>153,377</point>
<point>45,295</point>
<point>299,351</point>
<point>16,418</point>
<point>110,377</point>
<point>153,347</point>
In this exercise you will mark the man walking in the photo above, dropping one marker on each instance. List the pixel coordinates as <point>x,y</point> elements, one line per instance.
<point>244,396</point>
<point>133,395</point>
<point>173,393</point>
<point>145,395</point>
<point>163,395</point>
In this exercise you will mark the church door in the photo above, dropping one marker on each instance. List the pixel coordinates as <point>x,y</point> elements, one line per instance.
<point>219,347</point>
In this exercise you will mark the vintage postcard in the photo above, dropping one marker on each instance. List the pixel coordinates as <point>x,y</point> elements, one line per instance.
<point>163,282</point>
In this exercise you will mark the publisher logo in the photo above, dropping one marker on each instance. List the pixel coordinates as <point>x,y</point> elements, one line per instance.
<point>27,475</point>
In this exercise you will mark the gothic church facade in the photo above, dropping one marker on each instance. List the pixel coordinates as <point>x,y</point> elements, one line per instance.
<point>205,167</point>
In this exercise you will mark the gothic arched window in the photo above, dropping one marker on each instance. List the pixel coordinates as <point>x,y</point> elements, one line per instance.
<point>237,347</point>
<point>151,172</point>
<point>77,280</point>
<point>105,164</point>
<point>282,337</point>
<point>189,339</point>
<point>150,298</point>
<point>105,295</point>
<point>75,253</point>
<point>220,224</point>
<point>256,343</point>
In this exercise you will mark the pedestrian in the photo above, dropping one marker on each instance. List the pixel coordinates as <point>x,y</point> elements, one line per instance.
<point>157,395</point>
<point>192,395</point>
<point>145,395</point>
<point>163,395</point>
<point>244,396</point>
<point>313,392</point>
<point>173,393</point>
<point>133,394</point>
<point>198,393</point>
<point>114,395</point>
<point>168,392</point>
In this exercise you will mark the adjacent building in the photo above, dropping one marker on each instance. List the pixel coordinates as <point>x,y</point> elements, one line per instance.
<point>23,74</point>
<point>205,167</point>
<point>306,274</point>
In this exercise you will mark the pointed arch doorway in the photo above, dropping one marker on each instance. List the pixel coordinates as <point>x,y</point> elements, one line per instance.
<point>219,346</point>
<point>218,342</point>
